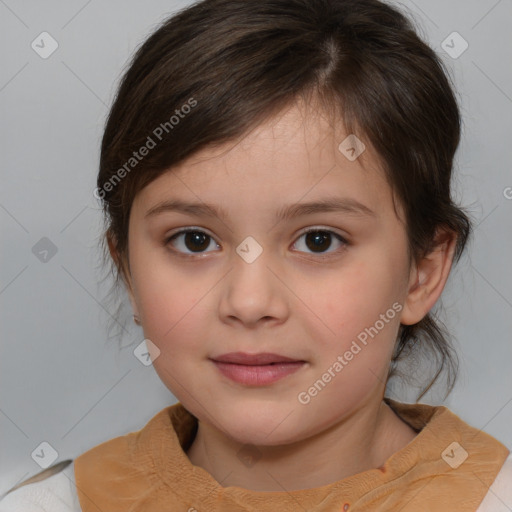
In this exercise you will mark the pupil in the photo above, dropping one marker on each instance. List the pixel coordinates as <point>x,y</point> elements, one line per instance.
<point>318,239</point>
<point>194,240</point>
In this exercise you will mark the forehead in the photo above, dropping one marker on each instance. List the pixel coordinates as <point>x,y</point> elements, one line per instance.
<point>298,155</point>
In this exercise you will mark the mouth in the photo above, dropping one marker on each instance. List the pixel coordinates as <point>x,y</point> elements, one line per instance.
<point>264,358</point>
<point>256,369</point>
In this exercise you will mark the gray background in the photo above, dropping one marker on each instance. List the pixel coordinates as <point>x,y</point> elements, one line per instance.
<point>62,380</point>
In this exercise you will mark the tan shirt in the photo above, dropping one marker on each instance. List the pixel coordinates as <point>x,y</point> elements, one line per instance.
<point>449,465</point>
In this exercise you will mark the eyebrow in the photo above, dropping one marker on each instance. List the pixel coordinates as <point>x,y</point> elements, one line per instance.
<point>329,204</point>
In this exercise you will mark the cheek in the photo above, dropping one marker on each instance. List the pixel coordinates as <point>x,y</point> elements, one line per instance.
<point>170,301</point>
<point>176,322</point>
<point>173,314</point>
<point>357,296</point>
<point>361,308</point>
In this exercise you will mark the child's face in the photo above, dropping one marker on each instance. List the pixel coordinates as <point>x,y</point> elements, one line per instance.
<point>198,298</point>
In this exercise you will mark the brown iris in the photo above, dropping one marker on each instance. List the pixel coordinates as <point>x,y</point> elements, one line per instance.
<point>318,240</point>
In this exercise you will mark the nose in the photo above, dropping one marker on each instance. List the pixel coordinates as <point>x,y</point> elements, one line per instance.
<point>252,294</point>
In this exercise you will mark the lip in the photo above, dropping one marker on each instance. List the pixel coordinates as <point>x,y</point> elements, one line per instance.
<point>253,359</point>
<point>256,369</point>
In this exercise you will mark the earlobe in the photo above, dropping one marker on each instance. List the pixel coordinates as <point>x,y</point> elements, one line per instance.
<point>428,278</point>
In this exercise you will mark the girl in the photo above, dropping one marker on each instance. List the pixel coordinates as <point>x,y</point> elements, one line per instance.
<point>275,177</point>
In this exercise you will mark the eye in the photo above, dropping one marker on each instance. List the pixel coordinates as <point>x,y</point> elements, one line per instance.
<point>192,239</point>
<point>319,240</point>
<point>195,241</point>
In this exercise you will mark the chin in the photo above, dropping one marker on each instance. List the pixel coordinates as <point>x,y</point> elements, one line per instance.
<point>253,426</point>
<point>252,435</point>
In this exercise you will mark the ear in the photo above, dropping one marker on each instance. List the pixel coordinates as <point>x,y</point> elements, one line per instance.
<point>123,269</point>
<point>428,278</point>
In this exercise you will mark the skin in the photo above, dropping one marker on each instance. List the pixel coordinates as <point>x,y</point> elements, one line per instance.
<point>291,300</point>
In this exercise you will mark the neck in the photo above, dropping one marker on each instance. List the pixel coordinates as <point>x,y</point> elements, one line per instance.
<point>362,441</point>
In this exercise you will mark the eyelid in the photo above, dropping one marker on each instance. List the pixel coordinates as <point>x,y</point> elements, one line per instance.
<point>189,228</point>
<point>322,228</point>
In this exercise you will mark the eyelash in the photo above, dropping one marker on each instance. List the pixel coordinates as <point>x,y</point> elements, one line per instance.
<point>341,239</point>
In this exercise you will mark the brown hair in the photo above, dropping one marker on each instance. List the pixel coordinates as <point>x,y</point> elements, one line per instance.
<point>218,68</point>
